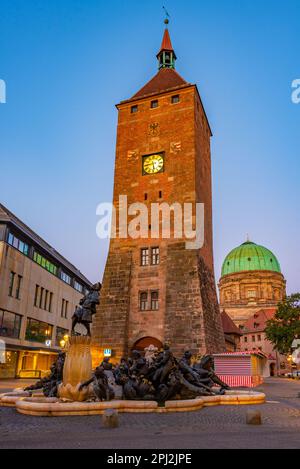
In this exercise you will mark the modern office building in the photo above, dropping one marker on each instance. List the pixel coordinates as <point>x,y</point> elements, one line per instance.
<point>39,290</point>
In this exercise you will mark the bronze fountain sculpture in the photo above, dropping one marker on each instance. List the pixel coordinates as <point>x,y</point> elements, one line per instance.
<point>161,378</point>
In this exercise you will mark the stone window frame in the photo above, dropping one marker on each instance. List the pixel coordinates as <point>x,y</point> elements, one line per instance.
<point>134,109</point>
<point>147,303</point>
<point>154,300</point>
<point>143,300</point>
<point>144,256</point>
<point>155,255</point>
<point>175,99</point>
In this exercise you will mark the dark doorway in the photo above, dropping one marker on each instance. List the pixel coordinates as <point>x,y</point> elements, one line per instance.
<point>272,369</point>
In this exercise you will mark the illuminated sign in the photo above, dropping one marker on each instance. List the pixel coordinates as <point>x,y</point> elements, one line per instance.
<point>107,352</point>
<point>48,343</point>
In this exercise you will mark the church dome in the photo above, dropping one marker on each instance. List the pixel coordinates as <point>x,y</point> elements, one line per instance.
<point>250,256</point>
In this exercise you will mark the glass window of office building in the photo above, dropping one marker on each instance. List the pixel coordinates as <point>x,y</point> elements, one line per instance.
<point>38,331</point>
<point>10,324</point>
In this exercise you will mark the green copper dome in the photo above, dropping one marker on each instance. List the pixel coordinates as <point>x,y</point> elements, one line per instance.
<point>250,256</point>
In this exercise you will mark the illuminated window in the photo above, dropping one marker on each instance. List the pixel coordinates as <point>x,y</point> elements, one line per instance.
<point>60,333</point>
<point>43,262</point>
<point>143,301</point>
<point>38,331</point>
<point>154,300</point>
<point>144,256</point>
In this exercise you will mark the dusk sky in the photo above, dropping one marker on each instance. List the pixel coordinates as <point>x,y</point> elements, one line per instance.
<point>66,63</point>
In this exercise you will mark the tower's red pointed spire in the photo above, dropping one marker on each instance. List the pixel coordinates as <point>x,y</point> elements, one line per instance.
<point>166,42</point>
<point>166,56</point>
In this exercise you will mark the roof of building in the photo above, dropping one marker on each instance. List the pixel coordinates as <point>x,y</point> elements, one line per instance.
<point>228,325</point>
<point>166,79</point>
<point>244,353</point>
<point>248,257</point>
<point>7,217</point>
<point>257,322</point>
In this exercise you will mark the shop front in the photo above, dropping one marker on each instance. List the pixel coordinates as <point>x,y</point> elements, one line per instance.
<point>26,362</point>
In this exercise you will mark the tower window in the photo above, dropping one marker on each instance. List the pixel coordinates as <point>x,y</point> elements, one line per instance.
<point>145,256</point>
<point>155,256</point>
<point>154,300</point>
<point>160,194</point>
<point>251,294</point>
<point>143,300</point>
<point>175,99</point>
<point>146,196</point>
<point>154,104</point>
<point>134,109</point>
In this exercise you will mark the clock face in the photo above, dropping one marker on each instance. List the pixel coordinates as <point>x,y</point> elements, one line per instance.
<point>153,164</point>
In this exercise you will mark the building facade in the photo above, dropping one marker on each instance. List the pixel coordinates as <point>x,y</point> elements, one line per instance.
<point>232,333</point>
<point>39,290</point>
<point>254,338</point>
<point>251,280</point>
<point>154,289</point>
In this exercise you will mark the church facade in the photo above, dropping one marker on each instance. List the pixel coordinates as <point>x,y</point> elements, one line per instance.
<point>154,289</point>
<point>251,281</point>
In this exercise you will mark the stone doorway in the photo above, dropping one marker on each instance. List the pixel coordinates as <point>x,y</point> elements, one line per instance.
<point>145,342</point>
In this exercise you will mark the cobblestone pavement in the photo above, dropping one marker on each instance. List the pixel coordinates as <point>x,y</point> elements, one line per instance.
<point>211,427</point>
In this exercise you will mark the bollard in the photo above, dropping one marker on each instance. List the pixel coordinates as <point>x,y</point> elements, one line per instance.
<point>253,417</point>
<point>110,418</point>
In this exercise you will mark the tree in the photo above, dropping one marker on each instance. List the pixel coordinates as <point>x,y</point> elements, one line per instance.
<point>285,326</point>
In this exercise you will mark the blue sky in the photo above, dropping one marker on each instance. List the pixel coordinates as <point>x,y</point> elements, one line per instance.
<point>66,63</point>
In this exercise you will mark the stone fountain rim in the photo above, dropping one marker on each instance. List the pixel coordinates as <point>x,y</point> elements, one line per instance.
<point>34,406</point>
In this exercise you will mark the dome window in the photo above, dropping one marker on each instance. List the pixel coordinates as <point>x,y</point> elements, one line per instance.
<point>249,259</point>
